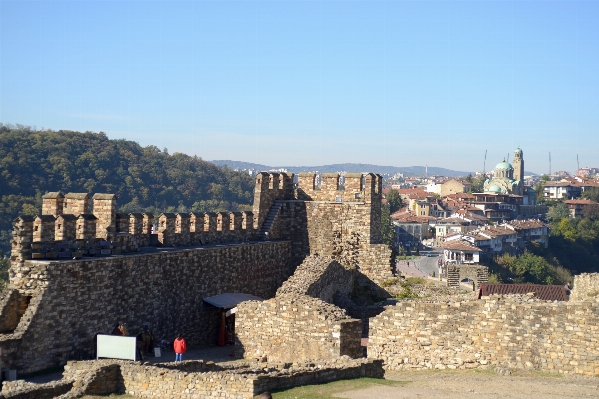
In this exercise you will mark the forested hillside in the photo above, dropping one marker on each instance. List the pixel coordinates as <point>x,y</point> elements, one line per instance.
<point>573,249</point>
<point>34,162</point>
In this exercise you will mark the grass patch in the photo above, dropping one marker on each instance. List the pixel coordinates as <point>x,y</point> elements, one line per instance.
<point>329,389</point>
<point>390,282</point>
<point>415,281</point>
<point>534,373</point>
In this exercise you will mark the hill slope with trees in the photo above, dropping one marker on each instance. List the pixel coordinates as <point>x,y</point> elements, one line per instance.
<point>148,179</point>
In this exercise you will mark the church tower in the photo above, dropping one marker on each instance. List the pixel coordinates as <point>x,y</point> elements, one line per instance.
<point>519,168</point>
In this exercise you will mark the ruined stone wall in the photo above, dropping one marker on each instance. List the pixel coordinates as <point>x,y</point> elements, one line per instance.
<point>457,273</point>
<point>492,332</point>
<point>191,379</point>
<point>320,277</point>
<point>9,310</point>
<point>73,300</point>
<point>289,327</point>
<point>585,287</point>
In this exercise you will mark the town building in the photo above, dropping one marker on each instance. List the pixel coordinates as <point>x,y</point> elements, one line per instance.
<point>449,186</point>
<point>579,207</point>
<point>530,230</point>
<point>460,252</point>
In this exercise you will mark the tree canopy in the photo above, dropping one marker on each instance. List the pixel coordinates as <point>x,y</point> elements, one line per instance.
<point>394,200</point>
<point>388,233</point>
<point>591,194</point>
<point>33,162</point>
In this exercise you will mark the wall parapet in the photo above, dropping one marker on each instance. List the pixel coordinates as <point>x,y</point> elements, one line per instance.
<point>67,236</point>
<point>358,187</point>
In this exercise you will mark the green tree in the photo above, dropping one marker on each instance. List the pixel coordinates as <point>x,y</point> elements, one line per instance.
<point>478,184</point>
<point>540,186</point>
<point>4,265</point>
<point>387,228</point>
<point>394,200</point>
<point>591,194</point>
<point>558,212</point>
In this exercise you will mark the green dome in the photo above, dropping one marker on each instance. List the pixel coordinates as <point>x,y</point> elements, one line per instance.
<point>518,151</point>
<point>504,166</point>
<point>494,189</point>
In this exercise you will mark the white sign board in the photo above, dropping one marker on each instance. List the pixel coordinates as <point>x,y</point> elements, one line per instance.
<point>116,347</point>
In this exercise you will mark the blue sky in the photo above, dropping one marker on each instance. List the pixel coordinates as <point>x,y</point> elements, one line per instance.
<point>309,83</point>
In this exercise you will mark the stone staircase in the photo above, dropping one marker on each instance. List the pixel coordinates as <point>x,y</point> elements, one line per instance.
<point>273,212</point>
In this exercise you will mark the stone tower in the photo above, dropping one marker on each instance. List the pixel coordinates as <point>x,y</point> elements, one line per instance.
<point>518,164</point>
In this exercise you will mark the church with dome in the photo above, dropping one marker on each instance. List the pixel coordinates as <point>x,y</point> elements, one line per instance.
<point>507,179</point>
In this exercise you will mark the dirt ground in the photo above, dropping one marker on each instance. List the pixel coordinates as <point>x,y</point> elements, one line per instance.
<point>473,384</point>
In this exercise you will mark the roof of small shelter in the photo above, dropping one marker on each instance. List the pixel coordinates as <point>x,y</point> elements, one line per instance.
<point>230,300</point>
<point>460,245</point>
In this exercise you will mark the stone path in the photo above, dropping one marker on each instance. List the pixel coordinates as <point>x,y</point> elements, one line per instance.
<point>411,270</point>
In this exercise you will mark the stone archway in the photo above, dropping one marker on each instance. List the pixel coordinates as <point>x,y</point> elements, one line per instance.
<point>457,273</point>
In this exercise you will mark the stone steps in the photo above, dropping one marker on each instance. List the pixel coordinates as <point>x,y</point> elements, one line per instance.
<point>273,212</point>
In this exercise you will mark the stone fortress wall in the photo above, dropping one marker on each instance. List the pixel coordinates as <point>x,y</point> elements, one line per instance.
<point>53,308</point>
<point>80,267</point>
<point>499,332</point>
<point>71,301</point>
<point>340,221</point>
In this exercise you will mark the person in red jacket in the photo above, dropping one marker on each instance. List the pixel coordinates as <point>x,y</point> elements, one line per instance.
<point>180,347</point>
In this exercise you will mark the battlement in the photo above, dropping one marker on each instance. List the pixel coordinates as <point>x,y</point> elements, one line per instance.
<point>269,188</point>
<point>357,187</point>
<point>59,234</point>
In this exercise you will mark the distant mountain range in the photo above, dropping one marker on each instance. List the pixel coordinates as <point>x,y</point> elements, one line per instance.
<point>347,167</point>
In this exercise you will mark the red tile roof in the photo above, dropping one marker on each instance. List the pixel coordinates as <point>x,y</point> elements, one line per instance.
<point>460,245</point>
<point>543,292</point>
<point>581,202</point>
<point>526,224</point>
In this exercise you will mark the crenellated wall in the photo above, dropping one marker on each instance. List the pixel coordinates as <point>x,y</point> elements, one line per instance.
<point>66,271</point>
<point>358,187</point>
<point>73,236</point>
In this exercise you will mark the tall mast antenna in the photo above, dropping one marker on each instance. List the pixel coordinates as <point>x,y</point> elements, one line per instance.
<point>485,163</point>
<point>549,163</point>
